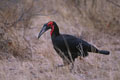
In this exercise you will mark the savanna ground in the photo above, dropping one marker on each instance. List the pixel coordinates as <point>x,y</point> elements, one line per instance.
<point>24,57</point>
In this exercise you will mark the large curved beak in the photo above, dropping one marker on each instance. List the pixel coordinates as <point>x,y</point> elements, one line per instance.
<point>44,29</point>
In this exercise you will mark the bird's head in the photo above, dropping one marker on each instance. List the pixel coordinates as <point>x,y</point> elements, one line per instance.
<point>50,25</point>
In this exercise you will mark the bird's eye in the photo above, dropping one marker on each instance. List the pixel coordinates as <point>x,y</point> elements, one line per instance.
<point>50,24</point>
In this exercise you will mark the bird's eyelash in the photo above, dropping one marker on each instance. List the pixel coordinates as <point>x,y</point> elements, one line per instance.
<point>50,24</point>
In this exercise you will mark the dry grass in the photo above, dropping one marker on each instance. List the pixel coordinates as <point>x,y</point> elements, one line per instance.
<point>15,20</point>
<point>24,57</point>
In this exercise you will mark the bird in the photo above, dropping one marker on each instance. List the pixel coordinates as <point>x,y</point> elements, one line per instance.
<point>67,46</point>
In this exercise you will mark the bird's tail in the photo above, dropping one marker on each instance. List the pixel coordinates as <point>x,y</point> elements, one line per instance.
<point>104,52</point>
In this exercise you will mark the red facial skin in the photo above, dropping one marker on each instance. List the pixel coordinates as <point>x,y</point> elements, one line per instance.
<point>50,24</point>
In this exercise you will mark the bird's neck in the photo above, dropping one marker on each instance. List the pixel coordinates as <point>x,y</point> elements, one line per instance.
<point>54,32</point>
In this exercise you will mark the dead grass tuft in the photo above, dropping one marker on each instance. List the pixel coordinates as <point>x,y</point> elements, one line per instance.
<point>15,17</point>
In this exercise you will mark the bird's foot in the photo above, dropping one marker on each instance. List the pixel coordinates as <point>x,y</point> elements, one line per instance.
<point>60,65</point>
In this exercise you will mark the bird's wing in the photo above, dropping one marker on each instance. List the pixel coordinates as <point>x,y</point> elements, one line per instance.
<point>71,42</point>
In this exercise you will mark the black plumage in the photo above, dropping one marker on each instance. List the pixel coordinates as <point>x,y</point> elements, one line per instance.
<point>67,46</point>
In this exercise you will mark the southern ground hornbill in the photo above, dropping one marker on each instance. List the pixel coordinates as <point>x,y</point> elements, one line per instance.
<point>67,46</point>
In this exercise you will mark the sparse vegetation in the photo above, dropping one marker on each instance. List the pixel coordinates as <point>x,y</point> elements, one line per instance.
<point>15,17</point>
<point>24,57</point>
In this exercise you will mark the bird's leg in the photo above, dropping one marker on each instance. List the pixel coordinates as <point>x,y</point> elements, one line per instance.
<point>69,63</point>
<point>80,58</point>
<point>66,62</point>
<point>72,66</point>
